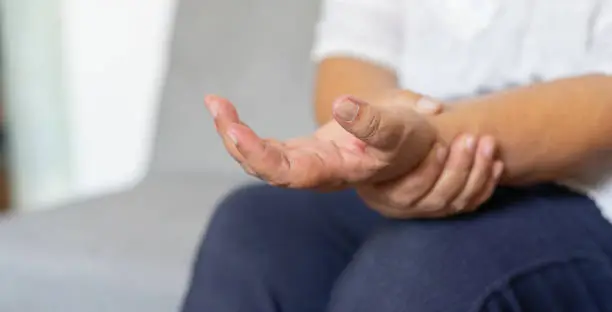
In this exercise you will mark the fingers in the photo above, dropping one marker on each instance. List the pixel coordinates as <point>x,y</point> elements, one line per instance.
<point>479,175</point>
<point>265,159</point>
<point>434,190</point>
<point>396,136</point>
<point>380,127</point>
<point>224,114</point>
<point>221,108</point>
<point>265,155</point>
<point>489,188</point>
<point>392,198</point>
<point>311,164</point>
<point>454,176</point>
<point>222,127</point>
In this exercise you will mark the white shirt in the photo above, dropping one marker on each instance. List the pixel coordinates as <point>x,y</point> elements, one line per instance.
<point>457,48</point>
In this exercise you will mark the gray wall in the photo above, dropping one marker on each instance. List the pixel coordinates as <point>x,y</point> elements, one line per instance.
<point>256,53</point>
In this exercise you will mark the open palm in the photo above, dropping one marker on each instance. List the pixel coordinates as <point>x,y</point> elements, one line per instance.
<point>330,158</point>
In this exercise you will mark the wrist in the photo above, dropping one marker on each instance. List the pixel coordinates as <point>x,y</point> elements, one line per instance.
<point>456,121</point>
<point>442,127</point>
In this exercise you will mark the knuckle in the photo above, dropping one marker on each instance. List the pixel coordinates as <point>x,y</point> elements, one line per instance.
<point>371,127</point>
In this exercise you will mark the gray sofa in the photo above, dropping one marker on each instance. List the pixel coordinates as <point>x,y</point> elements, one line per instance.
<point>132,251</point>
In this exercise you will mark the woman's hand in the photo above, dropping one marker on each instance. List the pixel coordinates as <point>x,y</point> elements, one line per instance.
<point>442,185</point>
<point>365,144</point>
<point>447,180</point>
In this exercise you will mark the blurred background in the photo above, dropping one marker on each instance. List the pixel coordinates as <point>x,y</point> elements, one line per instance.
<point>81,84</point>
<point>110,164</point>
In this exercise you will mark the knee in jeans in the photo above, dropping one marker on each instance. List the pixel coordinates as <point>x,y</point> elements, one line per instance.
<point>416,262</point>
<point>409,265</point>
<point>239,212</point>
<point>257,219</point>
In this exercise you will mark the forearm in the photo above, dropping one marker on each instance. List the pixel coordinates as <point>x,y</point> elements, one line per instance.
<point>544,131</point>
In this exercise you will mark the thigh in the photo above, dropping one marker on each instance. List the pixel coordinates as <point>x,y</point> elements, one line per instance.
<point>271,249</point>
<point>537,235</point>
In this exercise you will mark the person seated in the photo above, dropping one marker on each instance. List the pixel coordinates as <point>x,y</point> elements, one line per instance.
<point>463,163</point>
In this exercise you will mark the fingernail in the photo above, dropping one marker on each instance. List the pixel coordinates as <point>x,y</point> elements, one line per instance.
<point>213,106</point>
<point>346,110</point>
<point>487,149</point>
<point>441,154</point>
<point>232,137</point>
<point>469,142</point>
<point>427,105</point>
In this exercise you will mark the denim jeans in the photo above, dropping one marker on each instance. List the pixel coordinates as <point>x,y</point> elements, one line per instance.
<point>268,249</point>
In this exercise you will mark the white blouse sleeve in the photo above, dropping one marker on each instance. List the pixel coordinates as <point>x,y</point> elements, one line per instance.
<point>599,57</point>
<point>370,30</point>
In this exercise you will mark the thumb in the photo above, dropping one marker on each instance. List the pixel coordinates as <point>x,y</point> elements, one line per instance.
<point>377,126</point>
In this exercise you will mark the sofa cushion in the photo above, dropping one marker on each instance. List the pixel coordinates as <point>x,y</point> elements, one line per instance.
<point>126,252</point>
